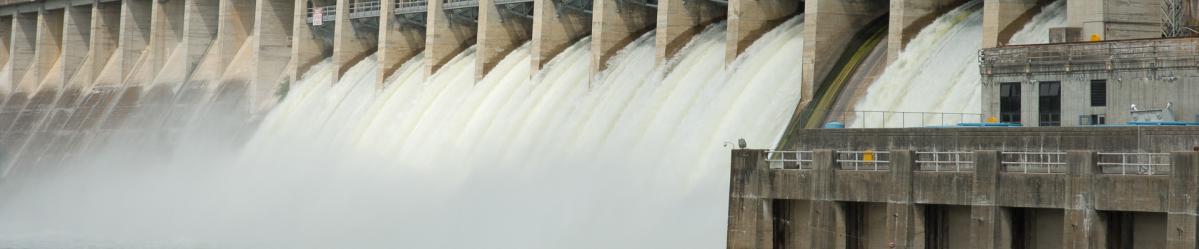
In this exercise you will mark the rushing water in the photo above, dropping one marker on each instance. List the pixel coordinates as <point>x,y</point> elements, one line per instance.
<point>937,72</point>
<point>636,158</point>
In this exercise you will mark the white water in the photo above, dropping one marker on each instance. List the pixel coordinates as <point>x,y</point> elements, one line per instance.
<point>938,70</point>
<point>637,159</point>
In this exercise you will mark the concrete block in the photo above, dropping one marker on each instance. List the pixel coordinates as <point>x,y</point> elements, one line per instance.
<point>986,177</point>
<point>47,50</point>
<point>76,36</point>
<point>751,224</point>
<point>498,34</point>
<point>6,31</point>
<point>829,27</point>
<point>134,34</point>
<point>22,50</point>
<point>272,50</point>
<point>398,42</point>
<point>908,17</point>
<point>554,29</point>
<point>1181,221</point>
<point>749,19</point>
<point>679,20</point>
<point>614,25</point>
<point>105,33</point>
<point>350,45</point>
<point>307,49</point>
<point>1002,18</point>
<point>236,23</point>
<point>445,37</point>
<point>200,23</point>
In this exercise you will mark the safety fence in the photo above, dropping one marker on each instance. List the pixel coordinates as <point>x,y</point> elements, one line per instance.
<point>789,159</point>
<point>890,119</point>
<point>1034,162</point>
<point>1013,162</point>
<point>952,161</point>
<point>1134,163</point>
<point>864,160</point>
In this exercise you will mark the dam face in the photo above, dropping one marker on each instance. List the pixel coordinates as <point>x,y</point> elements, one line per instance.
<point>597,124</point>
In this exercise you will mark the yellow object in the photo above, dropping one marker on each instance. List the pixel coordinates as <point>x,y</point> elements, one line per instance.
<point>868,156</point>
<point>1095,37</point>
<point>992,119</point>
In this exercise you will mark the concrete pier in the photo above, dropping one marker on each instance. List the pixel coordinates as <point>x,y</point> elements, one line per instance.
<point>445,37</point>
<point>1115,19</point>
<point>47,49</point>
<point>749,19</point>
<point>499,31</point>
<point>908,17</point>
<point>1002,18</point>
<point>398,41</point>
<point>23,55</point>
<point>273,29</point>
<point>105,33</point>
<point>307,48</point>
<point>76,40</point>
<point>236,24</point>
<point>829,27</point>
<point>679,20</point>
<point>615,25</point>
<point>136,16</point>
<point>350,43</point>
<point>554,29</point>
<point>200,28</point>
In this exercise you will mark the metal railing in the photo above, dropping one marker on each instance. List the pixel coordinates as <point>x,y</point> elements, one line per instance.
<point>411,6</point>
<point>512,1</point>
<point>864,160</point>
<point>328,13</point>
<point>458,4</point>
<point>1034,162</point>
<point>1134,163</point>
<point>890,119</point>
<point>1092,56</point>
<point>952,161</point>
<point>789,159</point>
<point>364,9</point>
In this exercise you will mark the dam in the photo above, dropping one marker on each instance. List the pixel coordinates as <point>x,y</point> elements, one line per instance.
<point>597,124</point>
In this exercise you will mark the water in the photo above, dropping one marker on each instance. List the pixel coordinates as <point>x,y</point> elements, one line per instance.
<point>637,158</point>
<point>938,70</point>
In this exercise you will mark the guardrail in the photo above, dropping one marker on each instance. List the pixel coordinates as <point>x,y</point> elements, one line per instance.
<point>1134,163</point>
<point>328,14</point>
<point>864,160</point>
<point>953,161</point>
<point>364,9</point>
<point>1033,162</point>
<point>789,159</point>
<point>890,119</point>
<point>412,6</point>
<point>458,4</point>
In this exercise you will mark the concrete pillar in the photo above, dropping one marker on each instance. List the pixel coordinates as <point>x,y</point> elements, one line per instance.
<point>826,214</point>
<point>350,45</point>
<point>200,22</point>
<point>1082,223</point>
<point>444,37</point>
<point>908,17</point>
<point>236,22</point>
<point>76,38</point>
<point>1115,19</point>
<point>749,19</point>
<point>751,221</point>
<point>902,220</point>
<point>134,35</point>
<point>307,49</point>
<point>498,34</point>
<point>166,33</point>
<point>988,226</point>
<point>554,29</point>
<point>1181,207</point>
<point>48,48</point>
<point>829,26</point>
<point>6,31</point>
<point>398,42</point>
<point>679,20</point>
<point>273,32</point>
<point>22,50</point>
<point>614,25</point>
<point>1002,18</point>
<point>105,33</point>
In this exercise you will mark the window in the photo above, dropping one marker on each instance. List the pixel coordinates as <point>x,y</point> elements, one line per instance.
<point>1009,102</point>
<point>1049,105</point>
<point>1099,93</point>
<point>1093,119</point>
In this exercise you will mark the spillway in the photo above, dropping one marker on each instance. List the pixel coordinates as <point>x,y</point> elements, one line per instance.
<point>633,158</point>
<point>937,73</point>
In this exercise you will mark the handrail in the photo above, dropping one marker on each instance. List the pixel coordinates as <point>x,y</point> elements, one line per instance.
<point>787,159</point>
<point>894,119</point>
<point>950,161</point>
<point>1140,163</point>
<point>1052,162</point>
<point>864,160</point>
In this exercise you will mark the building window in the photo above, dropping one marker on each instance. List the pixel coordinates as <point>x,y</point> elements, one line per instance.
<point>1049,105</point>
<point>1009,102</point>
<point>1099,93</point>
<point>1093,119</point>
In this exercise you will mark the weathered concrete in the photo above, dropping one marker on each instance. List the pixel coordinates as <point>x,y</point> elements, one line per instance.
<point>76,39</point>
<point>554,29</point>
<point>166,33</point>
<point>613,26</point>
<point>307,48</point>
<point>350,44</point>
<point>1002,18</point>
<point>1181,210</point>
<point>200,27</point>
<point>498,34</point>
<point>236,23</point>
<point>829,27</point>
<point>1115,19</point>
<point>6,28</point>
<point>22,57</point>
<point>106,23</point>
<point>908,17</point>
<point>679,20</point>
<point>398,41</point>
<point>135,33</point>
<point>749,19</point>
<point>445,37</point>
<point>47,50</point>
<point>272,50</point>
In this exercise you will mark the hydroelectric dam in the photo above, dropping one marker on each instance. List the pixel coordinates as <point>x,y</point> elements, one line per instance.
<point>599,124</point>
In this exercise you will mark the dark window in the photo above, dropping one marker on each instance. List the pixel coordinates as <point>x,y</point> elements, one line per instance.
<point>1009,102</point>
<point>1099,93</point>
<point>1093,119</point>
<point>1050,104</point>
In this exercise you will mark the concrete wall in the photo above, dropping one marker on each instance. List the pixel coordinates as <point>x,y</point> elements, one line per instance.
<point>350,44</point>
<point>307,49</point>
<point>613,26</point>
<point>105,33</point>
<point>1002,18</point>
<point>22,57</point>
<point>1115,19</point>
<point>829,27</point>
<point>273,31</point>
<point>398,41</point>
<point>76,38</point>
<point>749,19</point>
<point>498,34</point>
<point>135,31</point>
<point>444,37</point>
<point>554,29</point>
<point>200,28</point>
<point>679,20</point>
<point>908,17</point>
